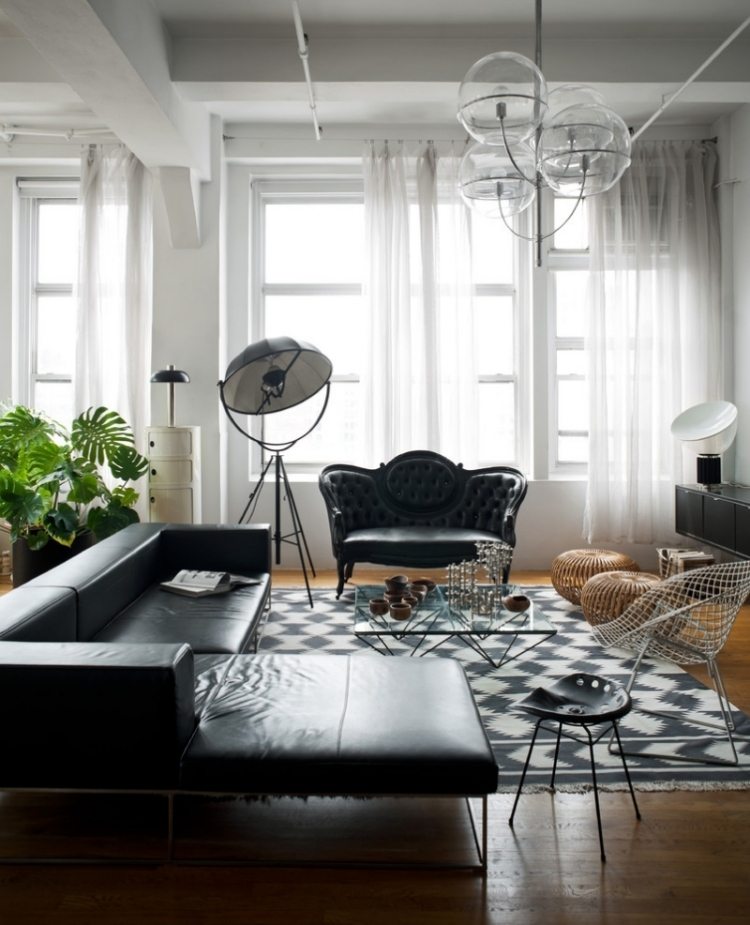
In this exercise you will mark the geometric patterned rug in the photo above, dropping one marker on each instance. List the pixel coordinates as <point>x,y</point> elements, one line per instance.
<point>294,627</point>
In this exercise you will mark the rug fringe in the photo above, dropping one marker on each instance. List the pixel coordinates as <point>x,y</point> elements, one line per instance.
<point>666,786</point>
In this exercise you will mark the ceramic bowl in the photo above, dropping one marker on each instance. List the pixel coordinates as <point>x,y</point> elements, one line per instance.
<point>379,606</point>
<point>396,583</point>
<point>427,582</point>
<point>400,611</point>
<point>418,590</point>
<point>411,599</point>
<point>516,603</point>
<point>394,597</point>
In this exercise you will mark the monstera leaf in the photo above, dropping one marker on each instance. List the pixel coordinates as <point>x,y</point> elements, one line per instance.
<point>99,433</point>
<point>20,429</point>
<point>127,463</point>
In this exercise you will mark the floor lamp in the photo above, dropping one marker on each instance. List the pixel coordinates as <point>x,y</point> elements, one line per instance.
<point>269,376</point>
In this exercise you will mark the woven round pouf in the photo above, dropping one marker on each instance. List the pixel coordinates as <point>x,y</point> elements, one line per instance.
<point>604,597</point>
<point>571,570</point>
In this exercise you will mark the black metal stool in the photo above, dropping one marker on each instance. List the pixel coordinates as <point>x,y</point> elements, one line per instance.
<point>579,700</point>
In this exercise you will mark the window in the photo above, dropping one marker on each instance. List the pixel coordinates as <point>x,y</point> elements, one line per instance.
<point>309,271</point>
<point>47,324</point>
<point>568,277</point>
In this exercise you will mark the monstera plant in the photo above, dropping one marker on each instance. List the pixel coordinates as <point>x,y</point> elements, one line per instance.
<point>59,485</point>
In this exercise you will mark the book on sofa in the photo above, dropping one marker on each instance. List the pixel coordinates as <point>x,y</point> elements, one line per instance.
<point>194,583</point>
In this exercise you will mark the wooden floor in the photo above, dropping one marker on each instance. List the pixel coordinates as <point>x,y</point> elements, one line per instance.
<point>685,862</point>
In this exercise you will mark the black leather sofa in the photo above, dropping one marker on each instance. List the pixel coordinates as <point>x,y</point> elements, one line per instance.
<point>108,683</point>
<point>420,510</point>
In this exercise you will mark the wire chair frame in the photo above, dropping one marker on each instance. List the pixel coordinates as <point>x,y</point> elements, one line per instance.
<point>686,619</point>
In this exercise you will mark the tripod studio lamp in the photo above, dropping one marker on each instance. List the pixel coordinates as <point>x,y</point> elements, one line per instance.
<point>269,376</point>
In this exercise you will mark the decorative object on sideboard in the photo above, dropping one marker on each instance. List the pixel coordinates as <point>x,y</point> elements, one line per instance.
<point>707,429</point>
<point>170,375</point>
<point>269,376</point>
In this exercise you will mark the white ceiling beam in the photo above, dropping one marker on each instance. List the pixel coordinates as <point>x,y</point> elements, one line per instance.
<point>114,55</point>
<point>180,199</point>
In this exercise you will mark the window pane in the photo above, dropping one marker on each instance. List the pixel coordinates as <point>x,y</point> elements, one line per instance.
<point>338,436</point>
<point>570,302</point>
<point>573,409</point>
<point>492,251</point>
<point>55,399</point>
<point>330,323</point>
<point>57,242</point>
<point>574,235</point>
<point>55,335</point>
<point>494,335</point>
<point>314,242</point>
<point>573,449</point>
<point>497,422</point>
<point>571,363</point>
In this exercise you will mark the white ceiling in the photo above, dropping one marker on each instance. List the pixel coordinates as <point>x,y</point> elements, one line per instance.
<point>378,66</point>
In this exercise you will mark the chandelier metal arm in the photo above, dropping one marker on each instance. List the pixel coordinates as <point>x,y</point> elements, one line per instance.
<point>501,116</point>
<point>543,237</point>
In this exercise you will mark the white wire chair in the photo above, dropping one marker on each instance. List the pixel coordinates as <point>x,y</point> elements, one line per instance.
<point>686,619</point>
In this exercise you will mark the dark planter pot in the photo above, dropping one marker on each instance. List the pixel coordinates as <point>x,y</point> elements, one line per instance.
<point>28,563</point>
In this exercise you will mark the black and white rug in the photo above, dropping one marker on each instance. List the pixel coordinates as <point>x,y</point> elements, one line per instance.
<point>294,627</point>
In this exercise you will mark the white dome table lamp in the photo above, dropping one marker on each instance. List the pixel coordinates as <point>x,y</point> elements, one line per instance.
<point>708,429</point>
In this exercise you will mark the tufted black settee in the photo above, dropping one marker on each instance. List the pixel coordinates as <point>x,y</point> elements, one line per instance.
<point>420,510</point>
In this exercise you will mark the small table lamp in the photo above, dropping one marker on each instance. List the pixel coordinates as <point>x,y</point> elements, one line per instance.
<point>707,429</point>
<point>170,375</point>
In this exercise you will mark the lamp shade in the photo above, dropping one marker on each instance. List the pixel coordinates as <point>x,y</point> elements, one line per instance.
<point>490,180</point>
<point>709,427</point>
<point>507,83</point>
<point>170,375</point>
<point>273,374</point>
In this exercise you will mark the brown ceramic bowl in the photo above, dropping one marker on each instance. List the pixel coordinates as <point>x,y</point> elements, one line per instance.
<point>400,611</point>
<point>411,599</point>
<point>417,590</point>
<point>379,606</point>
<point>427,582</point>
<point>396,583</point>
<point>516,603</point>
<point>394,597</point>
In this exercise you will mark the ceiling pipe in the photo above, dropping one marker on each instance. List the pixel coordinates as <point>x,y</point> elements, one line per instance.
<point>680,90</point>
<point>302,51</point>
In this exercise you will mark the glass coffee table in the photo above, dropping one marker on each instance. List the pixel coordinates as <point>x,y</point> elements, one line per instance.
<point>434,621</point>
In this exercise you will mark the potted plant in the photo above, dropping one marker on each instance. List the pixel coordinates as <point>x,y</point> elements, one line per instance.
<point>60,489</point>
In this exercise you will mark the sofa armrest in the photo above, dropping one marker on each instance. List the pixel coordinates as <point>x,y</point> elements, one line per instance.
<point>94,715</point>
<point>241,548</point>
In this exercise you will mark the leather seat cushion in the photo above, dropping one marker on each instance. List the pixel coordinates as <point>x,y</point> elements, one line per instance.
<point>340,725</point>
<point>418,546</point>
<point>224,623</point>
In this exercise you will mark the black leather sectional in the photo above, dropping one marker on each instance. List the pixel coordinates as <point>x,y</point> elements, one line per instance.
<point>108,682</point>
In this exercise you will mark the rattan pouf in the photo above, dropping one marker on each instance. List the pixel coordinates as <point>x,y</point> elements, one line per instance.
<point>605,596</point>
<point>571,570</point>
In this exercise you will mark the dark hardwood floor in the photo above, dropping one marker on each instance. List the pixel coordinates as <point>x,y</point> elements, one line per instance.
<point>685,862</point>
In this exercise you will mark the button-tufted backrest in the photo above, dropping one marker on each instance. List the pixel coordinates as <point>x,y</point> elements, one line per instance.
<point>425,489</point>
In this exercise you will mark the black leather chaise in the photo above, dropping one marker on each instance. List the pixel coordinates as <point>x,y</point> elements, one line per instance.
<point>420,510</point>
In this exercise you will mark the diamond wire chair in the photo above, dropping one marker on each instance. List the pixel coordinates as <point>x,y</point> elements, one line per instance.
<point>686,619</point>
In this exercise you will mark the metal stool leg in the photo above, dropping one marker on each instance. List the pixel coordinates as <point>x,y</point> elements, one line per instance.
<point>596,793</point>
<point>627,772</point>
<point>557,752</point>
<point>523,773</point>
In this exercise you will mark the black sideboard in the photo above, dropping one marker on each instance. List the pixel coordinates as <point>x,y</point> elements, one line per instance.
<point>719,516</point>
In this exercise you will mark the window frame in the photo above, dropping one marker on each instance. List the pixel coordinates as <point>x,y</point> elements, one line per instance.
<point>265,192</point>
<point>33,193</point>
<point>559,260</point>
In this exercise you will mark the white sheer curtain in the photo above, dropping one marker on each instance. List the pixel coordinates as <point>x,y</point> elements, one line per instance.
<point>654,338</point>
<point>420,384</point>
<point>113,356</point>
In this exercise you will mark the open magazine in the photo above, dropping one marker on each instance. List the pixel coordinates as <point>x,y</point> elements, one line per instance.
<point>193,583</point>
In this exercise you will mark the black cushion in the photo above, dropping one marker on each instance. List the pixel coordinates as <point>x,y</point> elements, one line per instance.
<point>328,724</point>
<point>224,623</point>
<point>416,546</point>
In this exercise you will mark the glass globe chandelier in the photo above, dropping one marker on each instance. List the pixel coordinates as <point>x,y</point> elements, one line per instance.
<point>528,137</point>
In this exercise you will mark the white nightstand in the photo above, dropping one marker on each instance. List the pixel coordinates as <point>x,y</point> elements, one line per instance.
<point>174,474</point>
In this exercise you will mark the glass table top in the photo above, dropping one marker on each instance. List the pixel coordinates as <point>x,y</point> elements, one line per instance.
<point>434,616</point>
